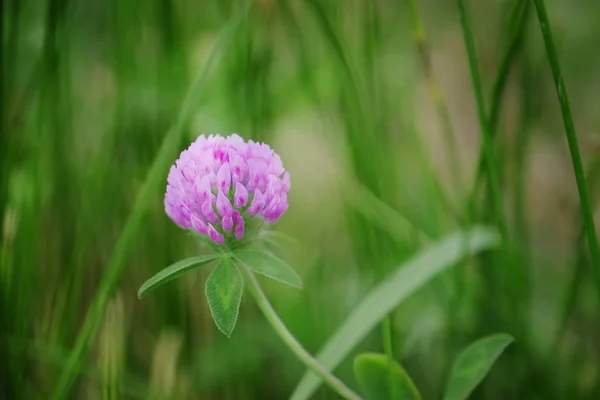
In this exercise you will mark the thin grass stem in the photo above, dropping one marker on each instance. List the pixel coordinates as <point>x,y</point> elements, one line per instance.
<point>563,98</point>
<point>436,93</point>
<point>134,221</point>
<point>386,328</point>
<point>519,16</point>
<point>490,158</point>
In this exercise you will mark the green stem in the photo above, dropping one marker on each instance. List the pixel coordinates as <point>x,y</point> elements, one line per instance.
<point>386,326</point>
<point>134,222</point>
<point>565,108</point>
<point>483,121</point>
<point>267,309</point>
<point>519,18</point>
<point>437,97</point>
<point>436,94</point>
<point>581,263</point>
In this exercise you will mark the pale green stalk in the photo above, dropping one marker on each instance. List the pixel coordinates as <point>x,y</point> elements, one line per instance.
<point>267,309</point>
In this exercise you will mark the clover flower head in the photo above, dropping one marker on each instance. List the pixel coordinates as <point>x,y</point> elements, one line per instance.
<point>220,184</point>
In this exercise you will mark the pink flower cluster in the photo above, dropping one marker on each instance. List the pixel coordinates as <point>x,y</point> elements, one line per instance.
<point>218,183</point>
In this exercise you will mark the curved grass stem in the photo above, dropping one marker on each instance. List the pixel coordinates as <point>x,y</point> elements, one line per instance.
<point>488,149</point>
<point>561,90</point>
<point>273,319</point>
<point>516,38</point>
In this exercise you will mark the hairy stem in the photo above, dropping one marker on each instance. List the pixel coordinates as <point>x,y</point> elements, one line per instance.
<point>267,309</point>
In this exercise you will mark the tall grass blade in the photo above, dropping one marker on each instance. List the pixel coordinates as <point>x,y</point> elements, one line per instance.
<point>565,108</point>
<point>436,94</point>
<point>488,148</point>
<point>403,282</point>
<point>151,184</point>
<point>516,39</point>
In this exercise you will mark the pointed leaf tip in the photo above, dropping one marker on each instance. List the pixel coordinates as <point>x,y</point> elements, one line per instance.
<point>381,380</point>
<point>270,266</point>
<point>473,364</point>
<point>173,271</point>
<point>399,285</point>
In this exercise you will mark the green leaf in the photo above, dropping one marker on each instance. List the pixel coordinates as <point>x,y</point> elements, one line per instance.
<point>173,271</point>
<point>404,281</point>
<point>269,265</point>
<point>224,289</point>
<point>375,374</point>
<point>473,364</point>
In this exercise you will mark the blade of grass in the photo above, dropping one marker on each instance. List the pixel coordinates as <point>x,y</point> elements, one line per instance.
<point>573,291</point>
<point>130,385</point>
<point>4,142</point>
<point>151,184</point>
<point>386,330</point>
<point>405,280</point>
<point>436,94</point>
<point>494,278</point>
<point>397,224</point>
<point>516,39</point>
<point>565,108</point>
<point>488,149</point>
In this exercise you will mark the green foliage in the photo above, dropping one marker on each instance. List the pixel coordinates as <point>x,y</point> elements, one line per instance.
<point>224,288</point>
<point>173,271</point>
<point>383,379</point>
<point>395,288</point>
<point>473,364</point>
<point>268,265</point>
<point>97,98</point>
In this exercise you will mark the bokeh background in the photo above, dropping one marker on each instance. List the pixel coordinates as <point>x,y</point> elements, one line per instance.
<point>371,107</point>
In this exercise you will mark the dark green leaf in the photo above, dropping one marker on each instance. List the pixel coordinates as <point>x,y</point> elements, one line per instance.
<point>224,289</point>
<point>406,279</point>
<point>473,364</point>
<point>173,271</point>
<point>269,265</point>
<point>381,380</point>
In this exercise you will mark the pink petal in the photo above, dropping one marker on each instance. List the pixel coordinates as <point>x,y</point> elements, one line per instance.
<point>214,235</point>
<point>223,204</point>
<point>258,202</point>
<point>207,210</point>
<point>240,197</point>
<point>224,178</point>
<point>239,229</point>
<point>227,223</point>
<point>199,225</point>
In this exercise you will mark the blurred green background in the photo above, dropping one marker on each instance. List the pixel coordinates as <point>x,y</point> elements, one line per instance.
<point>378,127</point>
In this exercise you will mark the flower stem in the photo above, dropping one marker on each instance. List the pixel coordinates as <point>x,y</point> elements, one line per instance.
<point>289,339</point>
<point>586,206</point>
